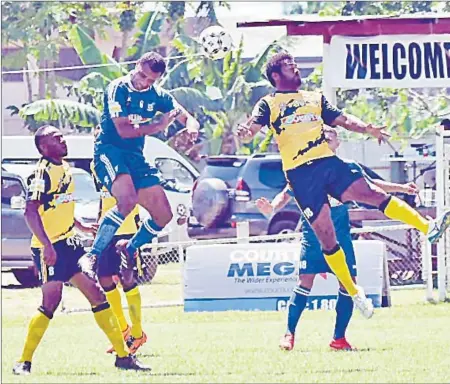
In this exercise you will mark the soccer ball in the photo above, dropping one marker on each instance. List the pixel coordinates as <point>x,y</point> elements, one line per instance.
<point>216,42</point>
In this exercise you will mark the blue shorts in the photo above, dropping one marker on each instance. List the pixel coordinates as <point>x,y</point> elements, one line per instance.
<point>312,182</point>
<point>312,259</point>
<point>109,262</point>
<point>68,252</point>
<point>110,161</point>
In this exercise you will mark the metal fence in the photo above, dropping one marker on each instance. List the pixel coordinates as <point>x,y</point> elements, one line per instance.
<point>409,263</point>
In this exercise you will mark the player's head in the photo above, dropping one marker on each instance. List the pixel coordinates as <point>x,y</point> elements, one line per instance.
<point>50,142</point>
<point>149,68</point>
<point>446,124</point>
<point>282,71</point>
<point>332,138</point>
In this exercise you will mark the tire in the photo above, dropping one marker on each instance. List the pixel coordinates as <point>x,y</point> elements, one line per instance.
<point>26,277</point>
<point>282,226</point>
<point>210,202</point>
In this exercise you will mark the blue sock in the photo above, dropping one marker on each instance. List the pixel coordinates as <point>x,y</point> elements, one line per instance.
<point>148,230</point>
<point>296,306</point>
<point>344,311</point>
<point>109,225</point>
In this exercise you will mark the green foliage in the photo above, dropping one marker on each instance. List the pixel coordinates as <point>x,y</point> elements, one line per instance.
<point>66,113</point>
<point>90,54</point>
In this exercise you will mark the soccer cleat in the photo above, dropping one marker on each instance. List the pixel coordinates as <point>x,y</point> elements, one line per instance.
<point>134,344</point>
<point>126,334</point>
<point>130,362</point>
<point>287,342</point>
<point>364,304</point>
<point>22,368</point>
<point>341,345</point>
<point>127,261</point>
<point>88,265</point>
<point>438,226</point>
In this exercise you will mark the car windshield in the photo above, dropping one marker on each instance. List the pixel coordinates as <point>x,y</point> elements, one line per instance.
<point>84,188</point>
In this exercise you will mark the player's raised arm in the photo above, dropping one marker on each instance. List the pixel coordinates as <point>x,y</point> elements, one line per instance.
<point>352,123</point>
<point>260,118</point>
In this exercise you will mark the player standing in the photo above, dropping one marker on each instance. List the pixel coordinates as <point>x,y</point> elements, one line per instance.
<point>132,103</point>
<point>110,264</point>
<point>314,171</point>
<point>50,215</point>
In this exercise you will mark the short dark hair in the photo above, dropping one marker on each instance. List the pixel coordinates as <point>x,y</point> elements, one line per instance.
<point>154,60</point>
<point>446,124</point>
<point>274,64</point>
<point>38,135</point>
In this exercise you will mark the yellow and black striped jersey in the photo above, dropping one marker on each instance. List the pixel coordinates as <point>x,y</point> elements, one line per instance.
<point>296,119</point>
<point>53,186</point>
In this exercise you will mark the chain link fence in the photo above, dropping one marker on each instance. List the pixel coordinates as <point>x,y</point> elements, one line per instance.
<point>161,280</point>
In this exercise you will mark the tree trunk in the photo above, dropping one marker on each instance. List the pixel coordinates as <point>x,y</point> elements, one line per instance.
<point>42,63</point>
<point>52,80</point>
<point>29,86</point>
<point>124,47</point>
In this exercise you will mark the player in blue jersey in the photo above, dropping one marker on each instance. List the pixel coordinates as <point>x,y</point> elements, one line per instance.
<point>313,260</point>
<point>134,107</point>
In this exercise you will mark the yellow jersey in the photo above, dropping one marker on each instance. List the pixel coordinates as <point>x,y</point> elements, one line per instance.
<point>53,186</point>
<point>107,201</point>
<point>296,120</point>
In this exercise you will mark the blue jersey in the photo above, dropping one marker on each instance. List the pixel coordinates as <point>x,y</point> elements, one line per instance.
<point>123,100</point>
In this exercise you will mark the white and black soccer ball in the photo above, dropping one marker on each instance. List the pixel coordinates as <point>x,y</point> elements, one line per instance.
<point>216,42</point>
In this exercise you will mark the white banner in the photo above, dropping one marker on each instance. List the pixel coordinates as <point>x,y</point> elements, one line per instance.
<point>397,61</point>
<point>262,276</point>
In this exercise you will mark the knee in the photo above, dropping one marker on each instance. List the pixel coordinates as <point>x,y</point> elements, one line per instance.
<point>51,301</point>
<point>126,204</point>
<point>95,295</point>
<point>127,279</point>
<point>372,195</point>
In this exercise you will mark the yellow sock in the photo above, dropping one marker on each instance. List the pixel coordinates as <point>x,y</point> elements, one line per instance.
<point>135,307</point>
<point>108,323</point>
<point>397,209</point>
<point>115,301</point>
<point>337,263</point>
<point>36,329</point>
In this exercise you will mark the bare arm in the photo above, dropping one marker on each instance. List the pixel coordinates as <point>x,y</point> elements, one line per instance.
<point>280,200</point>
<point>247,131</point>
<point>127,131</point>
<point>352,123</point>
<point>189,121</point>
<point>409,188</point>
<point>34,221</point>
<point>267,208</point>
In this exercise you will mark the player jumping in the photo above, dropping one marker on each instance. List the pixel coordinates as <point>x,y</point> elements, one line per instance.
<point>50,215</point>
<point>314,171</point>
<point>313,261</point>
<point>132,103</point>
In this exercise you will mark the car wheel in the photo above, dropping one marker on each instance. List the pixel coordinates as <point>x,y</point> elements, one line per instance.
<point>282,227</point>
<point>26,277</point>
<point>210,202</point>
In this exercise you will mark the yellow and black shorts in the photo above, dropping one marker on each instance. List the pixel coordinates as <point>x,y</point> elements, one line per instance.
<point>68,252</point>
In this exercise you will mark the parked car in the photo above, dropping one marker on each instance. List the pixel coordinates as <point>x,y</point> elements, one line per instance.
<point>226,191</point>
<point>180,173</point>
<point>16,236</point>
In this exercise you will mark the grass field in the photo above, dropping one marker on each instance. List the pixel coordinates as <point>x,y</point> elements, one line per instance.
<point>406,343</point>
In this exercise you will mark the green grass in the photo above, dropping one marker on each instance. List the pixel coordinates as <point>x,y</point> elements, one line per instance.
<point>406,343</point>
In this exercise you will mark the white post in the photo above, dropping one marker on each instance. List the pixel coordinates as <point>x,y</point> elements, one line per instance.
<point>328,91</point>
<point>242,232</point>
<point>440,206</point>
